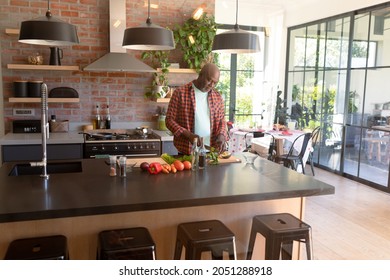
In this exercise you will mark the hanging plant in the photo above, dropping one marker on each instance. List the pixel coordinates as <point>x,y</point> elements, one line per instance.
<point>195,39</point>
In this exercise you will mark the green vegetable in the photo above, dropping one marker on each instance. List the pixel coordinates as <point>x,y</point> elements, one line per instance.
<point>185,158</point>
<point>213,156</point>
<point>170,159</point>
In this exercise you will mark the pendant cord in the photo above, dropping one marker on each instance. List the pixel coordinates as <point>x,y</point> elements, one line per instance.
<point>48,12</point>
<point>236,12</point>
<point>148,20</point>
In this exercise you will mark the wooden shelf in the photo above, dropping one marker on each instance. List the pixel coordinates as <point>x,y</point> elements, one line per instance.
<point>12,31</point>
<point>38,100</point>
<point>43,67</point>
<point>179,70</point>
<point>162,100</point>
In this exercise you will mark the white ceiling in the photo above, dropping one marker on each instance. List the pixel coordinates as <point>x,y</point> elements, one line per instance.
<point>257,12</point>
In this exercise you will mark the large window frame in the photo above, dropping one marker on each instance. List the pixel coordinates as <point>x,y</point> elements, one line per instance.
<point>353,142</point>
<point>250,113</point>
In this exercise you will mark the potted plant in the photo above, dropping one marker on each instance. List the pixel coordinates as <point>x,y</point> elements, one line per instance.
<point>280,110</point>
<point>195,39</point>
<point>159,86</point>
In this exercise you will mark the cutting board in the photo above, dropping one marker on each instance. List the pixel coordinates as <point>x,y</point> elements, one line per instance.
<point>138,161</point>
<point>232,159</point>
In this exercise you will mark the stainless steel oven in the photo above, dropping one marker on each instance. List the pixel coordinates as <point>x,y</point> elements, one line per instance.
<point>129,143</point>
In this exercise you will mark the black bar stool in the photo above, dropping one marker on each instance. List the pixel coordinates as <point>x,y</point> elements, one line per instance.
<point>279,230</point>
<point>126,244</point>
<point>201,236</point>
<point>38,248</point>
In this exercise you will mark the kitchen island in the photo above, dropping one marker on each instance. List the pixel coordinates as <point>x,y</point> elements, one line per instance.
<point>81,204</point>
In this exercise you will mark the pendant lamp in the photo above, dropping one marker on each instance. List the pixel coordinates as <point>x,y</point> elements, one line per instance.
<point>148,37</point>
<point>48,31</point>
<point>236,40</point>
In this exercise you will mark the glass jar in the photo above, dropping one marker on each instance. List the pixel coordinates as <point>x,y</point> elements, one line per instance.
<point>112,166</point>
<point>161,123</point>
<point>122,166</point>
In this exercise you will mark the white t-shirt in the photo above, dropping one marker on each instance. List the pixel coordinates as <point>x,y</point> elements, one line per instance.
<point>202,116</point>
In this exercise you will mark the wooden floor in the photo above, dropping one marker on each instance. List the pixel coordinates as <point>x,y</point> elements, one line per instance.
<point>352,224</point>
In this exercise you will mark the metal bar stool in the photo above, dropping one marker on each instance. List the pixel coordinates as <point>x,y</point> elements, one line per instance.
<point>126,244</point>
<point>38,248</point>
<point>280,231</point>
<point>197,237</point>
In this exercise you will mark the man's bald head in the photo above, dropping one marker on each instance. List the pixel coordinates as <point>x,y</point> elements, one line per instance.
<point>208,77</point>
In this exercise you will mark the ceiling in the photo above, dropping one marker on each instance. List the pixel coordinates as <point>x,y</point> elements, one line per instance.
<point>270,4</point>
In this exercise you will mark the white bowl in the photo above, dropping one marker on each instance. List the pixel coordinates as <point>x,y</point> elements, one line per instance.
<point>250,157</point>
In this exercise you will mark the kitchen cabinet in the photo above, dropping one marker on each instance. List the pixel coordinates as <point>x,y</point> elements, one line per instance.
<point>13,153</point>
<point>169,148</point>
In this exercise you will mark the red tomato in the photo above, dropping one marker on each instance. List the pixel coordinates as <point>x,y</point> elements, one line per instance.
<point>179,165</point>
<point>187,165</point>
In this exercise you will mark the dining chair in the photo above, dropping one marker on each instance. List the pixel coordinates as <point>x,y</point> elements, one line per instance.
<point>315,138</point>
<point>272,144</point>
<point>292,159</point>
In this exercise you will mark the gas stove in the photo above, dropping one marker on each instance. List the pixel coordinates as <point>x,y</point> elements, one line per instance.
<point>129,143</point>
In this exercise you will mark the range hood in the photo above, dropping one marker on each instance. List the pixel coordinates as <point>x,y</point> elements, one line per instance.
<point>118,60</point>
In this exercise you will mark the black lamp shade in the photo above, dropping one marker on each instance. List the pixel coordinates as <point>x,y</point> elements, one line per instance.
<point>48,31</point>
<point>148,37</point>
<point>236,41</point>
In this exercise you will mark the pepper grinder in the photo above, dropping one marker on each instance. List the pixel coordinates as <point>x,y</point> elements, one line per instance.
<point>122,166</point>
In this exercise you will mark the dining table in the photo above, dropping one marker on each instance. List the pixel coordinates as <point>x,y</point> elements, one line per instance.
<point>240,139</point>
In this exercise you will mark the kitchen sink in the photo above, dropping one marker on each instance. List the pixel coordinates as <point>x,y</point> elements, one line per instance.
<point>53,167</point>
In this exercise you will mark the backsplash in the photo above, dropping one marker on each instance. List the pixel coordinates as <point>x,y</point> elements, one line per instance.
<point>123,91</point>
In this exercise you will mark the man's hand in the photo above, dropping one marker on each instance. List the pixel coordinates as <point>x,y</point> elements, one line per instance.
<point>221,143</point>
<point>191,136</point>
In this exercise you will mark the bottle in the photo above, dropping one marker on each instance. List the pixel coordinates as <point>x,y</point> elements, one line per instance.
<point>195,155</point>
<point>122,166</point>
<point>202,155</point>
<point>108,118</point>
<point>112,166</point>
<point>96,120</point>
<point>52,122</point>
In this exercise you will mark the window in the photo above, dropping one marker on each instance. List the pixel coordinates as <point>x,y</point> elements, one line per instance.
<point>359,52</point>
<point>242,84</point>
<point>337,74</point>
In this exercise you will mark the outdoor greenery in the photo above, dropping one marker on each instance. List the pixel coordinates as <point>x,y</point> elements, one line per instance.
<point>281,109</point>
<point>247,111</point>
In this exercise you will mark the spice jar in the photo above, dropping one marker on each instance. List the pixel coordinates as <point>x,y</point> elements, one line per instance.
<point>122,166</point>
<point>112,166</point>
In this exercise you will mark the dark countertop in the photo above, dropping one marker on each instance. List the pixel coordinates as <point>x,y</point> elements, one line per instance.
<point>72,137</point>
<point>93,191</point>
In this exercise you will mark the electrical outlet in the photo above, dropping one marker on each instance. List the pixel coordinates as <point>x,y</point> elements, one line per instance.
<point>24,112</point>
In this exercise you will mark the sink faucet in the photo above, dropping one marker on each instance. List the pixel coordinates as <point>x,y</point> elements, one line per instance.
<point>44,132</point>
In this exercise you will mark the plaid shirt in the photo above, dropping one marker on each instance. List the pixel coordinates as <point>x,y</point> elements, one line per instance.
<point>181,116</point>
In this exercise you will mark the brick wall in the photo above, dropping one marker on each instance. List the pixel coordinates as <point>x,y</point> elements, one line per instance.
<point>123,91</point>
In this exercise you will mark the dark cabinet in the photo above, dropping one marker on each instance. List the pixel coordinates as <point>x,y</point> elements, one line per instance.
<point>169,148</point>
<point>34,152</point>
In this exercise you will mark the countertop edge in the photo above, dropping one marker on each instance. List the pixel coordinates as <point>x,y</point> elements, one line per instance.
<point>72,137</point>
<point>36,138</point>
<point>116,209</point>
